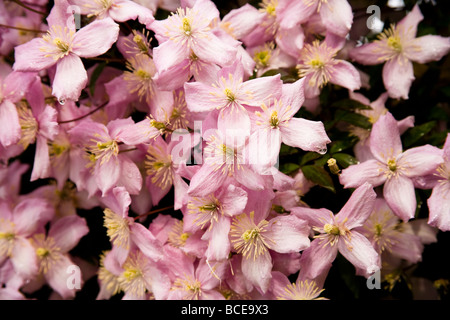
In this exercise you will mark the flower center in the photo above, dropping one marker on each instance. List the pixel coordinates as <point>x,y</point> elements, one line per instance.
<point>392,165</point>
<point>395,43</point>
<point>187,28</point>
<point>274,121</point>
<point>331,229</point>
<point>230,95</point>
<point>62,45</point>
<point>118,229</point>
<point>262,58</point>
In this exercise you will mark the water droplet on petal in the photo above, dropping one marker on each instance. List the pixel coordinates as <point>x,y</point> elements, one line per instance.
<point>62,101</point>
<point>322,151</point>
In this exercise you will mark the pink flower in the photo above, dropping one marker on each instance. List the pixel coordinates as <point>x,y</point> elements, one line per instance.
<point>16,226</point>
<point>283,289</point>
<point>254,237</point>
<point>101,144</point>
<point>64,47</point>
<point>439,201</point>
<point>214,213</point>
<point>232,95</point>
<point>398,47</point>
<point>52,251</point>
<point>276,124</point>
<point>319,66</point>
<point>12,88</point>
<point>336,233</point>
<point>393,167</point>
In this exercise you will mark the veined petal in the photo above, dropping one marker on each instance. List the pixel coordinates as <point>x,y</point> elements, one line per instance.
<point>367,54</point>
<point>400,196</point>
<point>9,124</point>
<point>146,241</point>
<point>317,259</point>
<point>96,38</point>
<point>337,16</point>
<point>23,258</point>
<point>398,75</point>
<point>169,54</point>
<point>408,247</point>
<point>258,270</point>
<point>118,200</point>
<point>315,217</point>
<point>124,10</point>
<point>219,244</point>
<point>263,89</point>
<point>57,277</point>
<point>428,48</point>
<point>68,231</point>
<point>288,233</point>
<point>107,174</point>
<point>293,95</point>
<point>233,200</point>
<point>360,252</point>
<point>41,165</point>
<point>70,78</point>
<point>410,22</point>
<point>212,49</point>
<point>344,74</point>
<point>28,213</point>
<point>359,207</point>
<point>207,180</point>
<point>29,57</point>
<point>385,142</point>
<point>199,97</point>
<point>420,161</point>
<point>439,206</point>
<point>305,134</point>
<point>368,171</point>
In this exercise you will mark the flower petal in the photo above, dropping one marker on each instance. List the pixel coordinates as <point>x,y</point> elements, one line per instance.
<point>344,74</point>
<point>428,48</point>
<point>29,57</point>
<point>385,142</point>
<point>420,161</point>
<point>9,124</point>
<point>398,75</point>
<point>359,207</point>
<point>305,134</point>
<point>68,231</point>
<point>70,78</point>
<point>357,174</point>
<point>288,233</point>
<point>258,270</point>
<point>400,196</point>
<point>439,207</point>
<point>317,259</point>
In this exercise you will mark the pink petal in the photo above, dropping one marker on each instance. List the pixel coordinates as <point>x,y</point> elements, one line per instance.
<point>16,84</point>
<point>258,270</point>
<point>293,95</point>
<point>337,16</point>
<point>367,54</point>
<point>118,201</point>
<point>48,122</point>
<point>107,174</point>
<point>400,196</point>
<point>212,49</point>
<point>410,22</point>
<point>288,233</point>
<point>317,259</point>
<point>146,241</point>
<point>408,247</point>
<point>263,89</point>
<point>428,48</point>
<point>207,180</point>
<point>385,142</point>
<point>65,87</point>
<point>264,148</point>
<point>242,20</point>
<point>248,178</point>
<point>57,277</point>
<point>297,12</point>
<point>41,165</point>
<point>28,214</point>
<point>305,134</point>
<point>130,176</point>
<point>60,15</point>
<point>96,38</point>
<point>344,74</point>
<point>420,161</point>
<point>315,217</point>
<point>233,200</point>
<point>439,207</point>
<point>175,76</point>
<point>360,252</point>
<point>68,231</point>
<point>234,122</point>
<point>24,259</point>
<point>29,57</point>
<point>357,174</point>
<point>219,244</point>
<point>10,130</point>
<point>359,207</point>
<point>169,54</point>
<point>398,75</point>
<point>199,97</point>
<point>290,40</point>
<point>124,10</point>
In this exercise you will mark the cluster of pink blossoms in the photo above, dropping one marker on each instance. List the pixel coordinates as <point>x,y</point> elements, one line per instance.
<point>126,112</point>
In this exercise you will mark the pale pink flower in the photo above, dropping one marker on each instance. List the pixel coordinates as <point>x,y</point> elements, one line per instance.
<point>214,213</point>
<point>292,196</point>
<point>125,234</point>
<point>52,251</point>
<point>63,46</point>
<point>439,201</point>
<point>283,289</point>
<point>336,233</point>
<point>276,124</point>
<point>255,237</point>
<point>268,57</point>
<point>10,180</point>
<point>393,167</point>
<point>319,66</point>
<point>16,226</point>
<point>398,47</point>
<point>12,88</point>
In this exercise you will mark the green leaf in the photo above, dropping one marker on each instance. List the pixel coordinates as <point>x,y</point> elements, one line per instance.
<point>345,160</point>
<point>411,136</point>
<point>353,118</point>
<point>286,150</point>
<point>319,176</point>
<point>341,145</point>
<point>309,156</point>
<point>288,168</point>
<point>95,74</point>
<point>272,73</point>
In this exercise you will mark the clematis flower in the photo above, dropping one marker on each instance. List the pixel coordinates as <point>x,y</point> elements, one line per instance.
<point>231,94</point>
<point>126,234</point>
<point>439,202</point>
<point>214,213</point>
<point>108,165</point>
<point>319,66</point>
<point>254,237</point>
<point>52,251</point>
<point>397,47</point>
<point>188,32</point>
<point>16,226</point>
<point>283,289</point>
<point>63,47</point>
<point>336,233</point>
<point>276,124</point>
<point>393,167</point>
<point>12,88</point>
<point>362,148</point>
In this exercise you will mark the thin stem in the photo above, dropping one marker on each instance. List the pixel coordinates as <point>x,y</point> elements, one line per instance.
<point>20,3</point>
<point>127,150</point>
<point>22,29</point>
<point>152,212</point>
<point>106,59</point>
<point>86,115</point>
